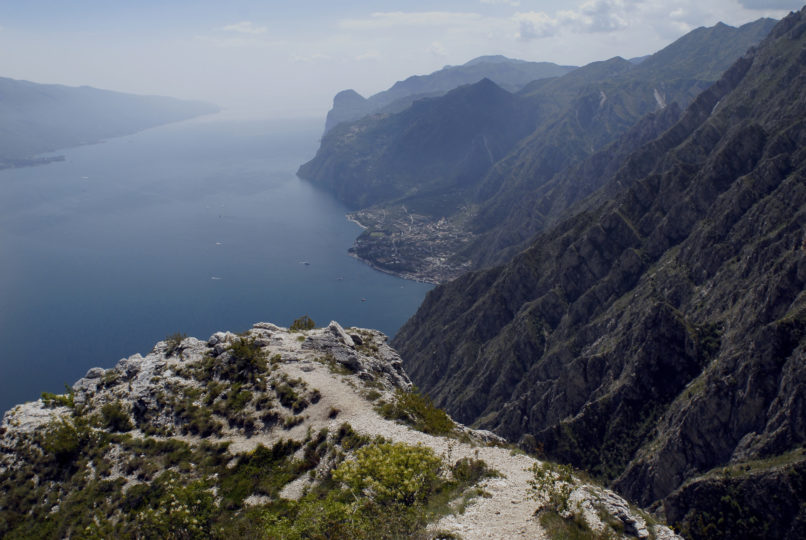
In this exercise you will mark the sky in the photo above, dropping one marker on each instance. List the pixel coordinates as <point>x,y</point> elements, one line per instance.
<point>288,59</point>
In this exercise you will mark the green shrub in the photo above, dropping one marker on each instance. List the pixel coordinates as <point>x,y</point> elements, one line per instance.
<point>173,342</point>
<point>265,401</point>
<point>385,489</point>
<point>237,401</point>
<point>468,471</point>
<point>348,438</point>
<point>291,421</point>
<point>56,400</point>
<point>110,378</point>
<point>372,395</point>
<point>247,360</point>
<point>418,411</point>
<point>571,528</point>
<point>213,389</point>
<point>63,441</point>
<point>391,472</point>
<point>179,511</point>
<point>314,517</point>
<point>263,471</point>
<point>290,398</point>
<point>198,421</point>
<point>303,323</point>
<point>552,484</point>
<point>114,418</point>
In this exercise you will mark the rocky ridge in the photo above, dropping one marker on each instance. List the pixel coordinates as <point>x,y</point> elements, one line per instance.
<point>349,105</point>
<point>190,404</point>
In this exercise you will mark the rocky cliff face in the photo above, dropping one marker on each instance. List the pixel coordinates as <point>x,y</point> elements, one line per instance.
<point>277,434</point>
<point>456,138</point>
<point>657,337</point>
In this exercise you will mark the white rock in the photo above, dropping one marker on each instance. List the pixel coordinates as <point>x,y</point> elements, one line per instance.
<point>95,373</point>
<point>336,329</point>
<point>267,326</point>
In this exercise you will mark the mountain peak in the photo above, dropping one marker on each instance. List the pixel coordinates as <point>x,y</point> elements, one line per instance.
<point>348,97</point>
<point>494,59</point>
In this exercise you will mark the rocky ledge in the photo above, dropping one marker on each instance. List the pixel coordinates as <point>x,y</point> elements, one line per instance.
<point>280,434</point>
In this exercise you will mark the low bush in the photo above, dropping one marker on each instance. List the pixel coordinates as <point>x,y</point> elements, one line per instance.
<point>114,418</point>
<point>246,362</point>
<point>55,400</point>
<point>177,511</point>
<point>468,471</point>
<point>290,398</point>
<point>391,472</point>
<point>418,411</point>
<point>552,486</point>
<point>303,323</point>
<point>63,441</point>
<point>173,342</point>
<point>291,421</point>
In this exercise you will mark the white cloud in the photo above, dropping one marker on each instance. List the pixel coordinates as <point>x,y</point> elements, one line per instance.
<point>438,49</point>
<point>369,55</point>
<point>244,27</point>
<point>393,19</point>
<point>598,16</point>
<point>590,17</point>
<point>300,58</point>
<point>513,3</point>
<point>771,4</point>
<point>536,24</point>
<point>231,42</point>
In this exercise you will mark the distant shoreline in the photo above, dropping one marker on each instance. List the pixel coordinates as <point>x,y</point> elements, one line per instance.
<point>352,219</point>
<point>402,275</point>
<point>18,163</point>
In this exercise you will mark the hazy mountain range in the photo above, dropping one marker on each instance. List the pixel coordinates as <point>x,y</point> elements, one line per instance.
<point>511,74</point>
<point>481,157</point>
<point>38,118</point>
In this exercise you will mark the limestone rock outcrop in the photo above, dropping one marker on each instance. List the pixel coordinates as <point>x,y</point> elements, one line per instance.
<point>202,438</point>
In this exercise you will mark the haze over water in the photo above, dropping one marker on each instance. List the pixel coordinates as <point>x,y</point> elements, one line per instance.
<point>192,227</point>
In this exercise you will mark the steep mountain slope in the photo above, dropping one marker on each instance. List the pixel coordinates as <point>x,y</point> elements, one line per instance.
<point>598,113</point>
<point>508,73</point>
<point>658,337</point>
<point>566,193</point>
<point>37,118</point>
<point>436,145</point>
<point>276,434</point>
<point>694,56</point>
<point>569,119</point>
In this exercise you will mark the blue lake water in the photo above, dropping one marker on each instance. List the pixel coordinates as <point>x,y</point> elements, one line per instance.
<point>192,227</point>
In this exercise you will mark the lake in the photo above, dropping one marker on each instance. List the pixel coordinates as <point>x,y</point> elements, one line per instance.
<point>193,227</point>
